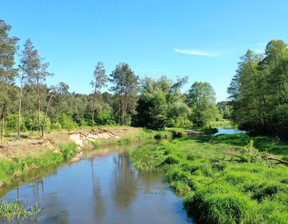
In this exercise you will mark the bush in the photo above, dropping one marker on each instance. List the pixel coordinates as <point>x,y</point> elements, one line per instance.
<point>106,117</point>
<point>56,126</point>
<point>171,160</point>
<point>68,150</point>
<point>67,122</point>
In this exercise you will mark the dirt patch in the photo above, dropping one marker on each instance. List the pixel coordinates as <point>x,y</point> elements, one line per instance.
<point>31,146</point>
<point>194,133</point>
<point>81,138</point>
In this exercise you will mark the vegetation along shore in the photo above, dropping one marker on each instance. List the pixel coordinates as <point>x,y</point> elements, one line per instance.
<point>224,178</point>
<point>231,179</point>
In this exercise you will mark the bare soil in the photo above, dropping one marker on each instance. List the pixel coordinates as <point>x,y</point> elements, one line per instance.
<point>32,145</point>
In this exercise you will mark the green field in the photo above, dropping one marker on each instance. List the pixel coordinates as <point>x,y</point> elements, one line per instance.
<point>226,178</point>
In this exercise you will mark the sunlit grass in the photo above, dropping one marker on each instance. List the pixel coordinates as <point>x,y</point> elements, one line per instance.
<point>225,178</point>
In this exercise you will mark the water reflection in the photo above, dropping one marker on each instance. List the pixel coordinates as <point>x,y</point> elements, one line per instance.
<point>99,201</point>
<point>54,210</point>
<point>102,188</point>
<point>124,186</point>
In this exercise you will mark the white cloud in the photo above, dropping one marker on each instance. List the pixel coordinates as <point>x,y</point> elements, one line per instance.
<point>259,51</point>
<point>196,52</point>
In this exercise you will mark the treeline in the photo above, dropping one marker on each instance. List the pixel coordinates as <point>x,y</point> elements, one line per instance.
<point>259,91</point>
<point>28,104</point>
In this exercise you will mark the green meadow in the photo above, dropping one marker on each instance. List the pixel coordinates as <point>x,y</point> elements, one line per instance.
<point>225,178</point>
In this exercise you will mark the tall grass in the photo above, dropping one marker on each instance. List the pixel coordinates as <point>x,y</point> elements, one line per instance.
<point>11,210</point>
<point>225,179</point>
<point>10,169</point>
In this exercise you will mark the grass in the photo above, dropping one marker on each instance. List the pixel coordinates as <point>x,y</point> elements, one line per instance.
<point>18,210</point>
<point>223,124</point>
<point>224,178</point>
<point>11,169</point>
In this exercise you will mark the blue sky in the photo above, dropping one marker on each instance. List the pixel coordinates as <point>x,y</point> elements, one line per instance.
<point>200,39</point>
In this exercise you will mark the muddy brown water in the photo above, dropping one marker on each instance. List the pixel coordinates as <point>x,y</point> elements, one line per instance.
<point>102,188</point>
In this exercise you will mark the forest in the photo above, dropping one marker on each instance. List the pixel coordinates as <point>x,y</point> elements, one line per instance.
<point>259,91</point>
<point>28,104</point>
<point>258,95</point>
<point>237,178</point>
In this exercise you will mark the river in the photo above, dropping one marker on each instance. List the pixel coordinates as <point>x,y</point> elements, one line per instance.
<point>229,131</point>
<point>102,188</point>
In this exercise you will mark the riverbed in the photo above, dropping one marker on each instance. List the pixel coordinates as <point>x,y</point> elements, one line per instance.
<point>103,187</point>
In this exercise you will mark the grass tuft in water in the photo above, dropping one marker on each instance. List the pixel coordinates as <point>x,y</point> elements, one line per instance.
<point>11,210</point>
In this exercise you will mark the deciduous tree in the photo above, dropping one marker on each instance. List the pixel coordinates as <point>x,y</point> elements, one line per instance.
<point>99,81</point>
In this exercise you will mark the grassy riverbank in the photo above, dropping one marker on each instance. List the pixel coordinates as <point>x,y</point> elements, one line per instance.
<point>21,157</point>
<point>11,169</point>
<point>226,178</point>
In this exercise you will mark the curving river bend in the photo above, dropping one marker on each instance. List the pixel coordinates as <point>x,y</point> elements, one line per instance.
<point>102,188</point>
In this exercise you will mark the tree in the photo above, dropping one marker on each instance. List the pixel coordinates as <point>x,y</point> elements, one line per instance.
<point>60,89</point>
<point>161,103</point>
<point>29,64</point>
<point>201,99</point>
<point>126,89</point>
<point>248,95</point>
<point>37,78</point>
<point>178,111</point>
<point>99,81</point>
<point>152,105</point>
<point>7,71</point>
<point>259,91</point>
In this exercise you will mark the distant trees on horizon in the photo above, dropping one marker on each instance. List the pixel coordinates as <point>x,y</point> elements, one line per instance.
<point>258,93</point>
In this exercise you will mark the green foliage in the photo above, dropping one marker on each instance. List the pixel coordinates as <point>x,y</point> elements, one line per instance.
<point>163,135</point>
<point>201,99</point>
<point>259,91</point>
<point>225,110</point>
<point>106,117</point>
<point>161,104</point>
<point>124,140</point>
<point>218,187</point>
<point>56,126</point>
<point>125,89</point>
<point>17,210</point>
<point>24,165</point>
<point>31,121</point>
<point>67,122</point>
<point>68,150</point>
<point>12,123</point>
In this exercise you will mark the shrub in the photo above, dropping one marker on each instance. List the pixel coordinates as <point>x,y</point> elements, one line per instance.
<point>68,150</point>
<point>171,160</point>
<point>56,126</point>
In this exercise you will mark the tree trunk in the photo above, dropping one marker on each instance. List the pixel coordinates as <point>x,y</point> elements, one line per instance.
<point>119,110</point>
<point>93,107</point>
<point>3,122</point>
<point>123,111</point>
<point>38,96</point>
<point>125,107</point>
<point>46,112</point>
<point>20,102</point>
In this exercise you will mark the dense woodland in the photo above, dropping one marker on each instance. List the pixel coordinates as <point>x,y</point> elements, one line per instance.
<point>28,104</point>
<point>259,91</point>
